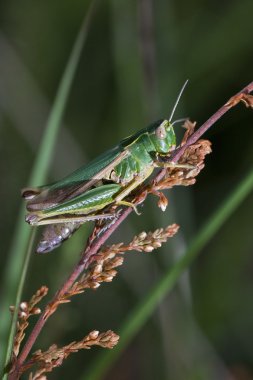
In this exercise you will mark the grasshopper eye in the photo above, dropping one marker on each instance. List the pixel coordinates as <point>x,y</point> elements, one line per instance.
<point>160,132</point>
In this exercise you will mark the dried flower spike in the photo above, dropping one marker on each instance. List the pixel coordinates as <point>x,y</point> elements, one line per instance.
<point>26,310</point>
<point>247,99</point>
<point>54,356</point>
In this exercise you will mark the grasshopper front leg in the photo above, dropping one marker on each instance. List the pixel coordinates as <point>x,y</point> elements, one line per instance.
<point>136,181</point>
<point>161,162</point>
<point>173,165</point>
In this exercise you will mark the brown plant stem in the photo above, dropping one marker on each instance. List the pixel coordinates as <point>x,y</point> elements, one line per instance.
<point>216,116</point>
<point>92,249</point>
<point>204,127</point>
<point>79,268</point>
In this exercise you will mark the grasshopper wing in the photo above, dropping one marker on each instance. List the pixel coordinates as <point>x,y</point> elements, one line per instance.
<point>84,178</point>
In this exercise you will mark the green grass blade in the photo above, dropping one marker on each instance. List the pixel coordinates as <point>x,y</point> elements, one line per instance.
<point>140,315</point>
<point>54,121</point>
<point>19,294</point>
<point>19,256</point>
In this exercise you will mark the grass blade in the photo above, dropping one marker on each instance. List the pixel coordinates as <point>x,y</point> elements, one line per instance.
<point>19,256</point>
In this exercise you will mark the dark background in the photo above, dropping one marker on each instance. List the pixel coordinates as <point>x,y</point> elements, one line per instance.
<point>136,59</point>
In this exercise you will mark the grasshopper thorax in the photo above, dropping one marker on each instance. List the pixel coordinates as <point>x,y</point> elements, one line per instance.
<point>143,148</point>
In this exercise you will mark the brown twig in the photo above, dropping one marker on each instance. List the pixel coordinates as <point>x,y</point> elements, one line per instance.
<point>92,249</point>
<point>79,268</point>
<point>216,116</point>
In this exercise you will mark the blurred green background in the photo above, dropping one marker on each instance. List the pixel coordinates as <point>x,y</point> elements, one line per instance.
<point>136,58</point>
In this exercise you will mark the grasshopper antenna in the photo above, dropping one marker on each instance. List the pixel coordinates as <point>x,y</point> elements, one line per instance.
<point>179,120</point>
<point>177,101</point>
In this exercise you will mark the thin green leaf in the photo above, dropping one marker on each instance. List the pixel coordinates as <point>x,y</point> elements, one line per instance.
<point>142,312</point>
<point>19,255</point>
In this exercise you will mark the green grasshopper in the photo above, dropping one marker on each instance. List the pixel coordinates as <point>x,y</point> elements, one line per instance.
<point>85,194</point>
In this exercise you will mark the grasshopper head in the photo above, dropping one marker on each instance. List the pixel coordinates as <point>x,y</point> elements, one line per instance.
<point>163,136</point>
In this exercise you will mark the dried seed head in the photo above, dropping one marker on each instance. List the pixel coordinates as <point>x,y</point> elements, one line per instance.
<point>23,306</point>
<point>112,272</point>
<point>93,334</point>
<point>163,203</point>
<point>97,269</point>
<point>142,235</point>
<point>107,278</point>
<point>12,308</point>
<point>22,314</point>
<point>36,310</point>
<point>95,285</point>
<point>157,244</point>
<point>148,248</point>
<point>111,255</point>
<point>118,261</point>
<point>247,99</point>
